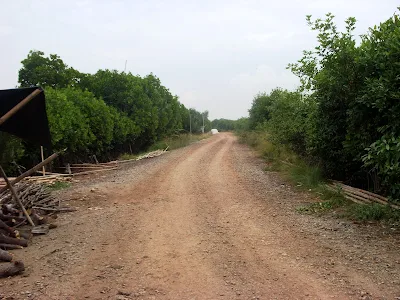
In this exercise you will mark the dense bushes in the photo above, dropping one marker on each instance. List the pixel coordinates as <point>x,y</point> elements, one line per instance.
<point>223,124</point>
<point>100,114</point>
<point>345,115</point>
<point>228,125</point>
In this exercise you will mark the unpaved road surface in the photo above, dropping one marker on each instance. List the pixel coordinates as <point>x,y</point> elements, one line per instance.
<point>203,222</point>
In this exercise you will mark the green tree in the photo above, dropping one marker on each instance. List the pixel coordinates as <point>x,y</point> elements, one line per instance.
<point>11,150</point>
<point>329,73</point>
<point>259,112</point>
<point>39,70</point>
<point>98,116</point>
<point>69,127</point>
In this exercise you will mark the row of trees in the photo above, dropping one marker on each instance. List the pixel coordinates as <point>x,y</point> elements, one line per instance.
<point>100,114</point>
<point>229,125</point>
<point>345,116</point>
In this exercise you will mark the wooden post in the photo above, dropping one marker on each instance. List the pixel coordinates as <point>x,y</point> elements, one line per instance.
<point>68,168</point>
<point>31,171</point>
<point>20,105</point>
<point>14,193</point>
<point>42,155</point>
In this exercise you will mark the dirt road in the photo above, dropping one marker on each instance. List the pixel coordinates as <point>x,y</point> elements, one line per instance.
<point>204,222</point>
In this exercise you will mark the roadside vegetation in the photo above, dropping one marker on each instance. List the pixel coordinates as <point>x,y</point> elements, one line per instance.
<point>102,114</point>
<point>170,143</point>
<point>230,125</point>
<point>342,123</point>
<point>58,185</point>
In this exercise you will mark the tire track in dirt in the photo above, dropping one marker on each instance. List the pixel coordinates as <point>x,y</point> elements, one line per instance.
<point>158,256</point>
<point>203,223</point>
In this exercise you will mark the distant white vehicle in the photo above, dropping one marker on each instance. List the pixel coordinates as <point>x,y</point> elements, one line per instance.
<point>214,131</point>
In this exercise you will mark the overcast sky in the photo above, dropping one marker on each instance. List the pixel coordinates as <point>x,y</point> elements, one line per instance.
<point>215,55</point>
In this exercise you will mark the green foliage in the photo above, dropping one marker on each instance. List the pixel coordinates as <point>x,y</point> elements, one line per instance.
<point>103,113</point>
<point>11,149</point>
<point>196,119</point>
<point>171,142</point>
<point>178,141</point>
<point>305,175</point>
<point>309,177</point>
<point>384,157</point>
<point>292,107</point>
<point>329,72</point>
<point>98,118</point>
<point>58,185</point>
<point>69,127</point>
<point>241,124</point>
<point>331,201</point>
<point>344,121</point>
<point>374,212</point>
<point>230,125</point>
<point>38,70</point>
<point>154,111</point>
<point>345,117</point>
<point>223,124</point>
<point>259,112</point>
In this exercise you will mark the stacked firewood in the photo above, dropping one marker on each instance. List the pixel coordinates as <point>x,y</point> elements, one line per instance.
<point>34,197</point>
<point>15,231</point>
<point>47,179</point>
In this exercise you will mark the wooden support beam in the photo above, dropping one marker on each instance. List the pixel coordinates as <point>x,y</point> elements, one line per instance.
<point>20,105</point>
<point>42,156</point>
<point>31,171</point>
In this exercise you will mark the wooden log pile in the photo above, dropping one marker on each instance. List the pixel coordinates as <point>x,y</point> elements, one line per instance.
<point>33,196</point>
<point>147,155</point>
<point>50,178</point>
<point>26,201</point>
<point>87,168</point>
<point>152,154</point>
<point>15,233</point>
<point>358,195</point>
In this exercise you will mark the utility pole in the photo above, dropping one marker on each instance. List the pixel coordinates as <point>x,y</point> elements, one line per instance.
<point>202,128</point>
<point>190,122</point>
<point>125,65</point>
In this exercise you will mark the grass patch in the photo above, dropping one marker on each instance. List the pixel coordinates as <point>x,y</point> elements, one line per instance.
<point>374,212</point>
<point>309,177</point>
<point>58,185</point>
<point>178,141</point>
<point>331,201</point>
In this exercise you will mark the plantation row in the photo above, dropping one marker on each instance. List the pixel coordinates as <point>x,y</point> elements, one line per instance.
<point>346,115</point>
<point>100,114</point>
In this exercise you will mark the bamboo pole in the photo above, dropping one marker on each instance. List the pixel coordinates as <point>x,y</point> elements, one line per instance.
<point>42,155</point>
<point>93,171</point>
<point>31,171</point>
<point>347,190</point>
<point>14,193</point>
<point>362,195</point>
<point>20,105</point>
<point>360,190</point>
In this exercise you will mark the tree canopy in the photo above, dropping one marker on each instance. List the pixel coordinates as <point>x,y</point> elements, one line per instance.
<point>102,113</point>
<point>346,112</point>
